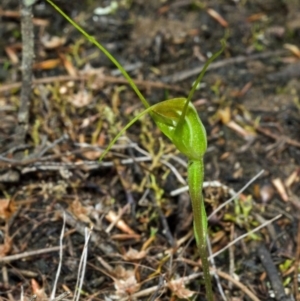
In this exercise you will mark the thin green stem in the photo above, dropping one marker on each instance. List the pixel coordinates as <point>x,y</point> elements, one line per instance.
<point>206,65</point>
<point>195,178</point>
<point>127,126</point>
<point>199,79</point>
<point>106,52</point>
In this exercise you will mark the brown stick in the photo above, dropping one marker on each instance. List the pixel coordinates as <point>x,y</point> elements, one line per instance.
<point>105,79</point>
<point>27,60</point>
<point>182,75</point>
<point>272,272</point>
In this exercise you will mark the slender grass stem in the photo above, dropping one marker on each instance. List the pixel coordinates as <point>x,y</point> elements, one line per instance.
<point>105,51</point>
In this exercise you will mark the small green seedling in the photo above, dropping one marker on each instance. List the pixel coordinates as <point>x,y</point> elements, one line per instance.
<point>178,119</point>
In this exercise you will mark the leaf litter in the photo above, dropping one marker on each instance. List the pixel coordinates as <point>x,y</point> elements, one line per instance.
<point>143,244</point>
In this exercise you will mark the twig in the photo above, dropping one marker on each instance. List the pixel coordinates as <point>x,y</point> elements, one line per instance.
<point>275,137</point>
<point>6,282</point>
<point>153,289</point>
<point>180,76</point>
<point>53,144</point>
<point>238,284</point>
<point>246,234</point>
<point>272,272</point>
<point>62,296</point>
<point>213,264</point>
<point>159,287</point>
<point>163,161</point>
<point>236,194</point>
<point>82,265</point>
<point>16,148</point>
<point>187,279</point>
<point>205,185</point>
<point>105,79</point>
<point>116,220</point>
<point>53,293</point>
<point>101,240</point>
<point>22,293</point>
<point>16,15</point>
<point>27,61</point>
<point>175,171</point>
<point>28,254</point>
<point>231,256</point>
<point>218,184</point>
<point>35,164</point>
<point>27,161</point>
<point>166,229</point>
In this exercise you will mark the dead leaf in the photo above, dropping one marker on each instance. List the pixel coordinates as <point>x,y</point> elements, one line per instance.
<point>125,281</point>
<point>12,54</point>
<point>6,247</point>
<point>97,76</point>
<point>72,71</point>
<point>218,236</point>
<point>81,99</point>
<point>256,17</point>
<point>16,14</point>
<point>121,273</point>
<point>38,291</point>
<point>292,178</point>
<point>92,155</point>
<point>177,287</point>
<point>80,211</point>
<point>278,184</point>
<point>242,92</point>
<point>239,130</point>
<point>293,48</point>
<point>127,287</point>
<point>47,64</point>
<point>224,115</point>
<point>120,224</point>
<point>133,254</point>
<point>53,42</point>
<point>101,139</point>
<point>215,15</point>
<point>7,208</point>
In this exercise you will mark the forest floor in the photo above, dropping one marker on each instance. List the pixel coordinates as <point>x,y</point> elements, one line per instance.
<point>136,201</point>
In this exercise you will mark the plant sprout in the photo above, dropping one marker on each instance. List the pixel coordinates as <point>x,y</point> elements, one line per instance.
<point>178,119</point>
